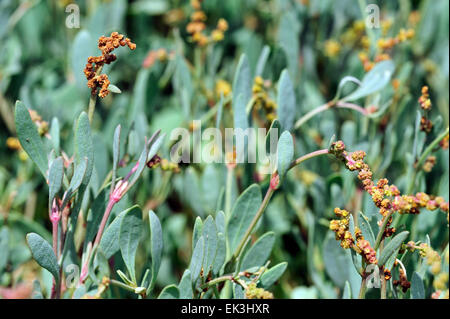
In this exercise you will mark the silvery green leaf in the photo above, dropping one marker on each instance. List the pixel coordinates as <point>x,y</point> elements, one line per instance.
<point>262,60</point>
<point>270,276</point>
<point>259,252</point>
<point>197,259</point>
<point>169,292</point>
<point>198,226</point>
<point>285,153</point>
<point>129,236</point>
<point>242,85</point>
<point>343,82</point>
<point>242,215</point>
<point>84,146</point>
<point>4,247</point>
<point>114,89</point>
<point>185,286</point>
<point>366,229</point>
<point>156,145</point>
<point>286,101</point>
<point>375,80</point>
<point>417,287</point>
<point>109,244</point>
<point>347,291</point>
<point>209,233</point>
<point>43,253</point>
<point>55,178</point>
<point>272,137</point>
<point>29,138</point>
<point>54,133</point>
<point>156,245</point>
<point>220,222</point>
<point>392,247</point>
<point>221,255</point>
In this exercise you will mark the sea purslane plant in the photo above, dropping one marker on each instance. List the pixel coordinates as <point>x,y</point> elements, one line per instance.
<point>344,199</point>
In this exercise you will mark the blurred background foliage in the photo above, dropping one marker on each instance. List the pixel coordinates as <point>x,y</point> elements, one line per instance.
<point>168,81</point>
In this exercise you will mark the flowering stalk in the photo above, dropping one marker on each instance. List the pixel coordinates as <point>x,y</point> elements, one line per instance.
<point>329,105</point>
<point>55,217</point>
<point>115,196</point>
<point>93,99</point>
<point>424,156</point>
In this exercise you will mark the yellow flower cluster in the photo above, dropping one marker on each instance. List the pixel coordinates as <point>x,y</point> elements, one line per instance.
<point>384,44</point>
<point>440,282</point>
<point>197,26</point>
<point>425,103</point>
<point>14,144</point>
<point>402,36</point>
<point>332,48</point>
<point>222,88</point>
<point>262,99</point>
<point>342,233</point>
<point>165,165</point>
<point>252,292</point>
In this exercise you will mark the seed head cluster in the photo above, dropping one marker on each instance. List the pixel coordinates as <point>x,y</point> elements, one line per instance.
<point>95,63</point>
<point>387,198</point>
<point>360,245</point>
<point>263,100</point>
<point>197,26</point>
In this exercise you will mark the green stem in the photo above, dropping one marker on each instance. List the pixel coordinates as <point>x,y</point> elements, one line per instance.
<point>329,105</point>
<point>93,99</point>
<point>255,220</point>
<point>423,157</point>
<point>383,280</point>
<point>121,285</point>
<point>91,109</point>
<point>381,231</point>
<point>216,281</point>
<point>418,166</point>
<point>310,114</point>
<point>362,290</point>
<point>269,194</point>
<point>108,210</point>
<point>228,190</point>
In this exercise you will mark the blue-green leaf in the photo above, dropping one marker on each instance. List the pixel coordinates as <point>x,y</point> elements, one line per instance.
<point>417,287</point>
<point>84,147</point>
<point>375,80</point>
<point>242,83</point>
<point>129,236</point>
<point>109,244</point>
<point>209,233</point>
<point>286,101</point>
<point>242,215</point>
<point>366,229</point>
<point>43,253</point>
<point>285,153</point>
<point>156,244</point>
<point>221,253</point>
<point>258,254</point>
<point>170,292</point>
<point>29,138</point>
<point>392,247</point>
<point>185,286</point>
<point>270,276</point>
<point>197,259</point>
<point>55,178</point>
<point>262,60</point>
